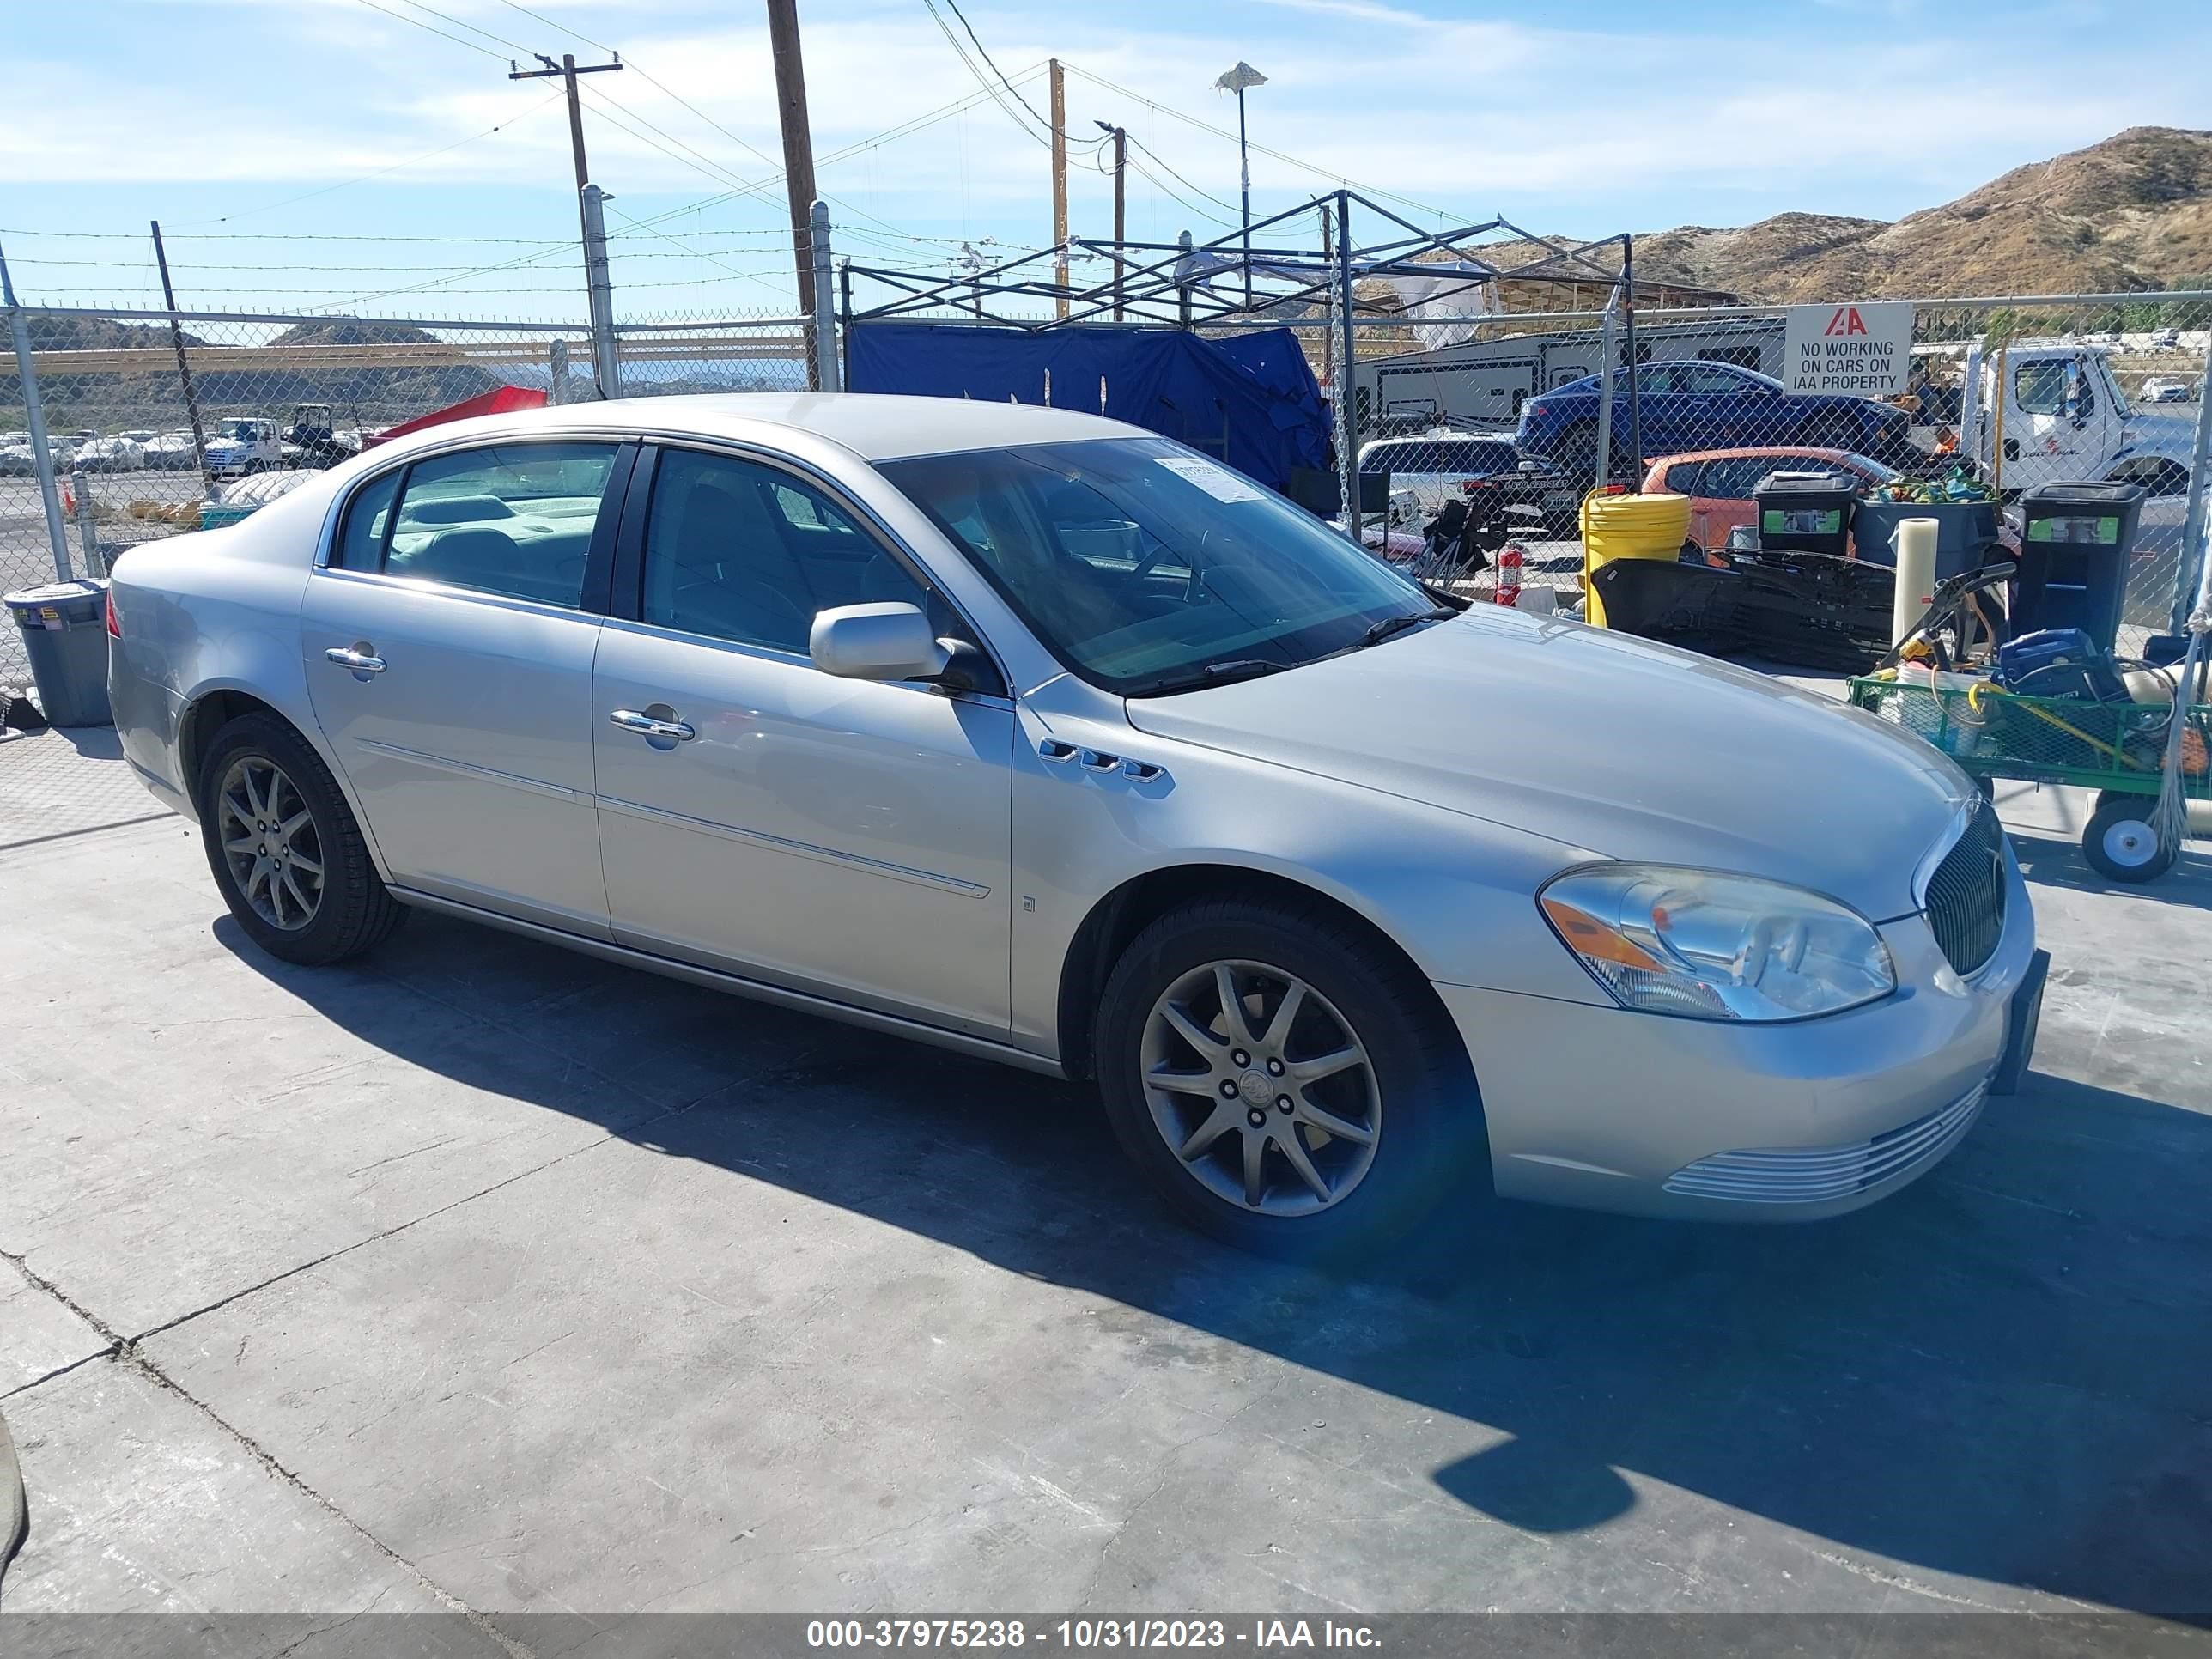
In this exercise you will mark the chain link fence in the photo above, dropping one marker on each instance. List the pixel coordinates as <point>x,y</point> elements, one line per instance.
<point>277,397</point>
<point>2009,393</point>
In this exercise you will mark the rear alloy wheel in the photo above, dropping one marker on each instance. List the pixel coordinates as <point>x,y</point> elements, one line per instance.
<point>269,842</point>
<point>1285,1081</point>
<point>285,849</point>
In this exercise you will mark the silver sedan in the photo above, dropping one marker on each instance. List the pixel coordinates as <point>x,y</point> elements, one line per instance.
<point>1042,738</point>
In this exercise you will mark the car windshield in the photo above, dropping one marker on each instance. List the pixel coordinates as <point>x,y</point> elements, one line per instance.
<point>235,429</point>
<point>1146,568</point>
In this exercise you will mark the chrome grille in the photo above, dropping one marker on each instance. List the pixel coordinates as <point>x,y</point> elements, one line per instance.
<point>1813,1175</point>
<point>1966,896</point>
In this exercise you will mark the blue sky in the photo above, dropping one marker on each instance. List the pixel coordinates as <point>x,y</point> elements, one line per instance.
<point>247,127</point>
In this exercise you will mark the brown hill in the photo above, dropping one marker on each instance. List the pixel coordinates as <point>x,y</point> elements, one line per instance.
<point>2133,212</point>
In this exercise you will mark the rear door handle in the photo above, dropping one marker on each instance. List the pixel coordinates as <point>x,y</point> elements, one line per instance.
<point>646,725</point>
<point>361,661</point>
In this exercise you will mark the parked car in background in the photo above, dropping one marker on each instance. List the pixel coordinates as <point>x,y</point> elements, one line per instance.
<point>1697,406</point>
<point>1719,482</point>
<point>2167,392</point>
<point>1434,467</point>
<point>1047,739</point>
<point>116,454</point>
<point>172,452</point>
<point>20,460</point>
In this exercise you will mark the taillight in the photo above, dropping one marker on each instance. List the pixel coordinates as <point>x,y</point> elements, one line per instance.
<point>114,627</point>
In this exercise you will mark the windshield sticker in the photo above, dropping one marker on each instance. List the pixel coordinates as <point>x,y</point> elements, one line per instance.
<point>1216,482</point>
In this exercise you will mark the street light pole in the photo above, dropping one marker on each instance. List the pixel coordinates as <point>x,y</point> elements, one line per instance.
<point>1239,81</point>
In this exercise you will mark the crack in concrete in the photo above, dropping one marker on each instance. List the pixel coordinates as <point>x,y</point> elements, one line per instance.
<point>125,1352</point>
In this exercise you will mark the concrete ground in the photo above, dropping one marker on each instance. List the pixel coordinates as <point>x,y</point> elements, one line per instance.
<point>487,1278</point>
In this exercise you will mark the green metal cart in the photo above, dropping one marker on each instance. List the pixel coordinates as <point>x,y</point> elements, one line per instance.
<point>2115,749</point>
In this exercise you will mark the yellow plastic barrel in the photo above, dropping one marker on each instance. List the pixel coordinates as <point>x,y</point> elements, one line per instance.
<point>1629,527</point>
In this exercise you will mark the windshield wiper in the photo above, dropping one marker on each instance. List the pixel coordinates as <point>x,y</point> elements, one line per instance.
<point>1214,673</point>
<point>1378,632</point>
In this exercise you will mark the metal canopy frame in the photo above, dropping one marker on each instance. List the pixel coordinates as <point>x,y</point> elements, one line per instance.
<point>1189,285</point>
<point>1231,282</point>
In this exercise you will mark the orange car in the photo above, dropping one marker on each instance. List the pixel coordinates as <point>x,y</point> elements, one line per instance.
<point>1719,482</point>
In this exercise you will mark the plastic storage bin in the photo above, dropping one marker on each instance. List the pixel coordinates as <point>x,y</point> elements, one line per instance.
<point>1966,532</point>
<point>2074,543</point>
<point>65,628</point>
<point>1806,511</point>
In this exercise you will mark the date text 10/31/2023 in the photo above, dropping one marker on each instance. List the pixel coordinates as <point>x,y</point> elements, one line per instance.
<point>1260,1635</point>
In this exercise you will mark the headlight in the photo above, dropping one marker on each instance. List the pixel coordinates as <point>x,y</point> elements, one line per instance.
<point>1690,942</point>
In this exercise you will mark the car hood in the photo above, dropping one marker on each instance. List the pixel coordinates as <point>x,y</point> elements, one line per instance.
<point>1612,746</point>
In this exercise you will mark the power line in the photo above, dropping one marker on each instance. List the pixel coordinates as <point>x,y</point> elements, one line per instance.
<point>427,155</point>
<point>1008,85</point>
<point>1263,150</point>
<point>463,23</point>
<point>1172,173</point>
<point>1010,113</point>
<point>416,22</point>
<point>748,275</point>
<point>903,130</point>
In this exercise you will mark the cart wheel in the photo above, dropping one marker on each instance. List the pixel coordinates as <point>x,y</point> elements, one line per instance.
<point>2120,842</point>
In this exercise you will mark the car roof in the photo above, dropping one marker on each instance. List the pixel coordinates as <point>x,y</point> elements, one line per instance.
<point>1819,452</point>
<point>877,427</point>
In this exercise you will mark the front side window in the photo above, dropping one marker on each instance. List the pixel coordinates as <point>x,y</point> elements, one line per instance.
<point>515,519</point>
<point>2039,388</point>
<point>737,551</point>
<point>1145,567</point>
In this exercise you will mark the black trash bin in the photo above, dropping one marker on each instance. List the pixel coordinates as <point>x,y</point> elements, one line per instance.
<point>65,628</point>
<point>1806,511</point>
<point>2074,542</point>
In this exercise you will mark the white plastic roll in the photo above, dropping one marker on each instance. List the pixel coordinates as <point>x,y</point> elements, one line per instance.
<point>1915,544</point>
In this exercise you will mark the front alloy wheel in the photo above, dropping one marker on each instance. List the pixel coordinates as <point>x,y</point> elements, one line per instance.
<point>1246,1046</point>
<point>270,844</point>
<point>1261,1088</point>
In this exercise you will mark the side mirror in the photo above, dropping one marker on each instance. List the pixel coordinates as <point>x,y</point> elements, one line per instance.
<point>889,641</point>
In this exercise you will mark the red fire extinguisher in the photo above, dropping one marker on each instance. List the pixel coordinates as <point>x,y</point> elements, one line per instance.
<point>1510,560</point>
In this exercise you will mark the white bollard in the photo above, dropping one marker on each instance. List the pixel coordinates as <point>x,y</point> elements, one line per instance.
<point>1915,544</point>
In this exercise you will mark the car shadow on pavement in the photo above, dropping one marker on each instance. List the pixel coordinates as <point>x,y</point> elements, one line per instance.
<point>2057,861</point>
<point>2003,1372</point>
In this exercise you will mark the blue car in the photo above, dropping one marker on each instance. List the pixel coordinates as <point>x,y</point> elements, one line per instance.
<point>1708,405</point>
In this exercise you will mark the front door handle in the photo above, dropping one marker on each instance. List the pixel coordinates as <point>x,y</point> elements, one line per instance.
<point>358,658</point>
<point>647,726</point>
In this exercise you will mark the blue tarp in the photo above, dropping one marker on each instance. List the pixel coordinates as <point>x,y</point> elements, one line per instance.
<point>1251,400</point>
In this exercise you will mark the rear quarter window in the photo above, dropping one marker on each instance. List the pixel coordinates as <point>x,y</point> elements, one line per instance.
<point>360,545</point>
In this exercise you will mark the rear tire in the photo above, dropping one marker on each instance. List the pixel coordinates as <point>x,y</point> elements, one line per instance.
<point>2120,842</point>
<point>286,850</point>
<point>1576,454</point>
<point>1322,1192</point>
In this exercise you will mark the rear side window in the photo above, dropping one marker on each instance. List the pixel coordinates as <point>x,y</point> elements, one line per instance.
<point>1683,476</point>
<point>511,518</point>
<point>361,539</point>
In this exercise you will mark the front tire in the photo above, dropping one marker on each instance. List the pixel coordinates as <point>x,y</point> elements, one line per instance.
<point>285,849</point>
<point>1284,1082</point>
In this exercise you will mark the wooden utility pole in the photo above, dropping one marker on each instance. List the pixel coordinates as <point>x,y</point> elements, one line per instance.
<point>567,69</point>
<point>798,154</point>
<point>594,239</point>
<point>1120,209</point>
<point>1059,184</point>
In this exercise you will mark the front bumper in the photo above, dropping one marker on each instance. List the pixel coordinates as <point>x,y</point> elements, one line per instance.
<point>1603,1108</point>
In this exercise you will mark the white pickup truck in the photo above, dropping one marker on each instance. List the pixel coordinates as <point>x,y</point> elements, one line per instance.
<point>2064,416</point>
<point>242,446</point>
